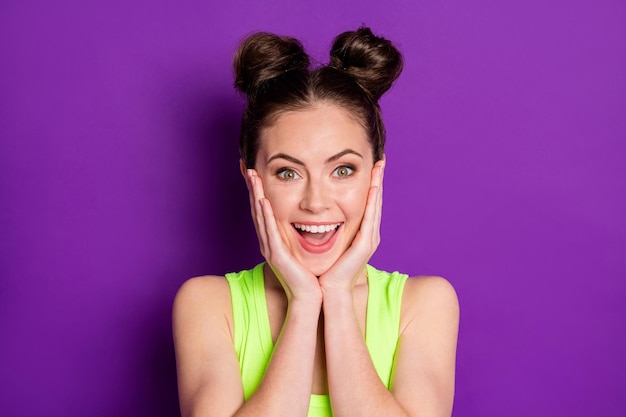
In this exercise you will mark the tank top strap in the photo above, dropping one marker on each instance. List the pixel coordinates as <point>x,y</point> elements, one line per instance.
<point>384,303</point>
<point>251,326</point>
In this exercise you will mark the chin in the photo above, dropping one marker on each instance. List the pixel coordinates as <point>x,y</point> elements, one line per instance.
<point>319,267</point>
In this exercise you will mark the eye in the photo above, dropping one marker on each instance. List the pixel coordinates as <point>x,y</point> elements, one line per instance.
<point>287,174</point>
<point>343,171</point>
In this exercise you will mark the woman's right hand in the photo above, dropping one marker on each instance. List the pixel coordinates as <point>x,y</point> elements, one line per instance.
<point>298,282</point>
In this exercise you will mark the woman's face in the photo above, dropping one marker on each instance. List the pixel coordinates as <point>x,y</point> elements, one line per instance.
<point>316,167</point>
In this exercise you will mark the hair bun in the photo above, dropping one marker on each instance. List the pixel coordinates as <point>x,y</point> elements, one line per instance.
<point>265,56</point>
<point>373,61</point>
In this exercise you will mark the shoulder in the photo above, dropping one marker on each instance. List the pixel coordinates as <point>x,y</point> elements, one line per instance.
<point>206,362</point>
<point>199,290</point>
<point>202,299</point>
<point>426,355</point>
<point>430,288</point>
<point>428,299</point>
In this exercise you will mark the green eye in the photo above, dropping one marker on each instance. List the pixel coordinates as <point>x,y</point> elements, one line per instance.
<point>287,174</point>
<point>344,171</point>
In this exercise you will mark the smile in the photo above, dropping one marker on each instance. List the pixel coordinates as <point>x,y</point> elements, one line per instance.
<point>316,228</point>
<point>317,238</point>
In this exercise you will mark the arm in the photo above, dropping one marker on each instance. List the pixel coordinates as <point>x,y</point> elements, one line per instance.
<point>423,378</point>
<point>354,385</point>
<point>209,379</point>
<point>208,371</point>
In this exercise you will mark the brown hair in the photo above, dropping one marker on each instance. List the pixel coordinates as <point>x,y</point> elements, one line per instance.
<point>274,74</point>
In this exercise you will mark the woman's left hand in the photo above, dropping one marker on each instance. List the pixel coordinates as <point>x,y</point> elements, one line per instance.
<point>346,270</point>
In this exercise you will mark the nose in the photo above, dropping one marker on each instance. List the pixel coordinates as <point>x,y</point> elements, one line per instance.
<point>315,197</point>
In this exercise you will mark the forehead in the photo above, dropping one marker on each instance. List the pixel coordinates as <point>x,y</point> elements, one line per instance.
<point>323,129</point>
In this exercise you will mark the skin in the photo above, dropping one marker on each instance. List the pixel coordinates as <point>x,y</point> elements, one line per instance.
<point>330,185</point>
<point>314,166</point>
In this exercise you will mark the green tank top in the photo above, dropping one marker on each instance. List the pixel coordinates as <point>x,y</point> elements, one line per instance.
<point>253,339</point>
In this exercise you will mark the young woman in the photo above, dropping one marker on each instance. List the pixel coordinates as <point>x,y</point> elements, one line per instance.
<point>315,330</point>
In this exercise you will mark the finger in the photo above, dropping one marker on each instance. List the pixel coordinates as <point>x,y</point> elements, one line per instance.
<point>369,216</point>
<point>379,202</point>
<point>259,196</point>
<point>255,185</point>
<point>378,173</point>
<point>374,201</point>
<point>261,230</point>
<point>257,211</point>
<point>375,179</point>
<point>253,209</point>
<point>383,165</point>
<point>274,238</point>
<point>248,178</point>
<point>258,190</point>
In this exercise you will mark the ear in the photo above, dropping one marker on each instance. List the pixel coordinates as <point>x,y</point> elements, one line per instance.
<point>243,169</point>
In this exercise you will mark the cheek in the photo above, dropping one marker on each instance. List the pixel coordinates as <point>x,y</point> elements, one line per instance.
<point>282,202</point>
<point>354,198</point>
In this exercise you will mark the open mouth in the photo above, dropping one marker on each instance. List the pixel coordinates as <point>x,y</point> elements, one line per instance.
<point>317,238</point>
<point>316,228</point>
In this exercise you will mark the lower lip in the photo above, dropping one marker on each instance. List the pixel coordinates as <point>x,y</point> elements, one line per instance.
<point>309,247</point>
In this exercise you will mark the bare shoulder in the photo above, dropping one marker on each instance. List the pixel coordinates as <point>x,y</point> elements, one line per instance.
<point>429,298</point>
<point>425,362</point>
<point>202,298</point>
<point>206,361</point>
<point>199,289</point>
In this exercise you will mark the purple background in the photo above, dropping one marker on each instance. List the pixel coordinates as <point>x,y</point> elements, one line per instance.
<point>119,180</point>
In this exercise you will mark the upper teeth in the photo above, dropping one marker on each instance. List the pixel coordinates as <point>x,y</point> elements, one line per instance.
<point>320,228</point>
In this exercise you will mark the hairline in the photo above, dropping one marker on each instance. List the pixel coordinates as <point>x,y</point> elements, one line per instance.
<point>313,103</point>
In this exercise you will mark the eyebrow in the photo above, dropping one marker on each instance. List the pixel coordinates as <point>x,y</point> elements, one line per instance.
<point>299,162</point>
